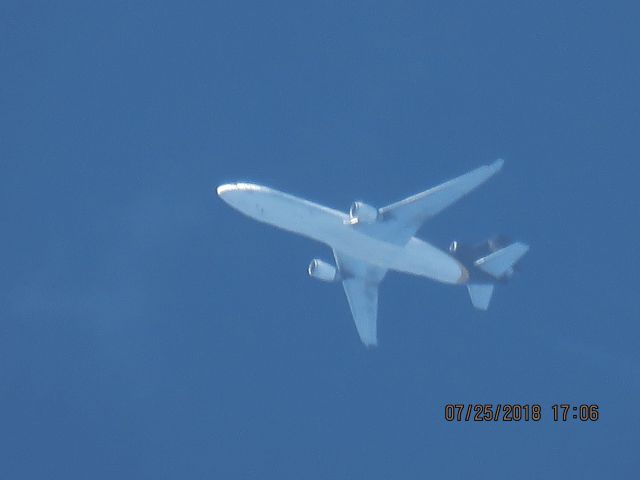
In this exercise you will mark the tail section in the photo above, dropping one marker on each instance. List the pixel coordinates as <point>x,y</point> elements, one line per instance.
<point>492,261</point>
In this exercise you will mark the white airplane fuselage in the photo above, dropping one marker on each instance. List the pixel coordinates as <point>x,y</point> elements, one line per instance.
<point>332,228</point>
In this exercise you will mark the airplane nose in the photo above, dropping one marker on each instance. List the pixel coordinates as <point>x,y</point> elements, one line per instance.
<point>227,187</point>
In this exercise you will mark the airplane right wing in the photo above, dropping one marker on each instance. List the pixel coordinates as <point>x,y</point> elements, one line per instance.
<point>404,218</point>
<point>360,281</point>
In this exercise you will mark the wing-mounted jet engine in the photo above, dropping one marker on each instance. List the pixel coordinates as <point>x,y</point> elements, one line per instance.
<point>324,271</point>
<point>360,212</point>
<point>488,263</point>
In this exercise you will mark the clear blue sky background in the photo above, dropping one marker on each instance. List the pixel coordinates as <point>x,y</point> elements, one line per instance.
<point>149,331</point>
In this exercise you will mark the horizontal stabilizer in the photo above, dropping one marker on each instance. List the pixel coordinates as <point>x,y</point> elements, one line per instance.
<point>502,261</point>
<point>480,294</point>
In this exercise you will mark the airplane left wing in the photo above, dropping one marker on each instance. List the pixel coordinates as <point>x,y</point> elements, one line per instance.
<point>360,281</point>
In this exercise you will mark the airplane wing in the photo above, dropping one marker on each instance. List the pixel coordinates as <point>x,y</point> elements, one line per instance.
<point>360,281</point>
<point>404,218</point>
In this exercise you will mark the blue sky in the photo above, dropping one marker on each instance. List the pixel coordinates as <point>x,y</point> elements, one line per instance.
<point>149,331</point>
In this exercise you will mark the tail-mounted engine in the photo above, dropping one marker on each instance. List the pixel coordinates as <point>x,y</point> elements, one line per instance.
<point>362,213</point>
<point>323,271</point>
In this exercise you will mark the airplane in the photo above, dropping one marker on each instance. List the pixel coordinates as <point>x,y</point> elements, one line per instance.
<point>367,242</point>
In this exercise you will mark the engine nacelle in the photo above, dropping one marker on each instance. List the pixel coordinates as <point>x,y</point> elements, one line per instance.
<point>362,213</point>
<point>463,251</point>
<point>323,271</point>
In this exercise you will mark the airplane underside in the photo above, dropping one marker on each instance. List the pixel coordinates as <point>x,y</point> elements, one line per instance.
<point>368,242</point>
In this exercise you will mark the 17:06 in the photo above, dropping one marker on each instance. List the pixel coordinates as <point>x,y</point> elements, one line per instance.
<point>584,412</point>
